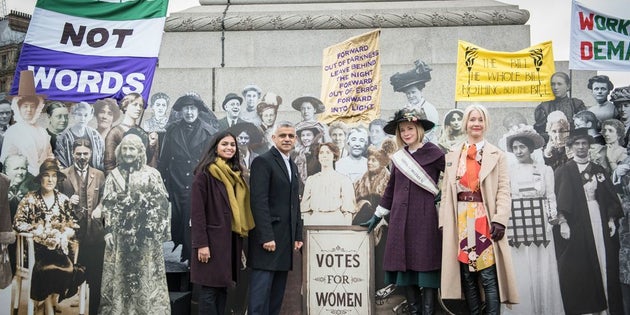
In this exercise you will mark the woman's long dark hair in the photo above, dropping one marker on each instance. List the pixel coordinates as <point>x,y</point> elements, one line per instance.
<point>211,154</point>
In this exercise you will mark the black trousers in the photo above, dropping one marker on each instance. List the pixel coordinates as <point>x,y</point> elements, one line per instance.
<point>490,284</point>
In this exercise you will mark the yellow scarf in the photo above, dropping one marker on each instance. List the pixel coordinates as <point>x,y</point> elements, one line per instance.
<point>238,195</point>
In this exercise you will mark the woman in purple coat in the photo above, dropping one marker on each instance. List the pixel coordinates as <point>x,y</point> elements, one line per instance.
<point>414,244</point>
<point>220,218</point>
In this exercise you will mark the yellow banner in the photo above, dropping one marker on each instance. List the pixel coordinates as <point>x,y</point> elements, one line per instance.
<point>351,80</point>
<point>484,75</point>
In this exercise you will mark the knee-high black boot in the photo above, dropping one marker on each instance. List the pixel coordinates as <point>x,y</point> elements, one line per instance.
<point>412,293</point>
<point>428,301</point>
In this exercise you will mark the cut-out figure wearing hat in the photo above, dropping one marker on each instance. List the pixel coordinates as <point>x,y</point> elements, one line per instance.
<point>412,83</point>
<point>267,110</point>
<point>251,96</point>
<point>586,240</point>
<point>232,105</point>
<point>309,107</point>
<point>184,143</point>
<point>25,137</point>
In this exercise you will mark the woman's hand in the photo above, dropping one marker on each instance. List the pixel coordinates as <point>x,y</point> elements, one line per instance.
<point>203,254</point>
<point>611,227</point>
<point>565,231</point>
<point>109,239</point>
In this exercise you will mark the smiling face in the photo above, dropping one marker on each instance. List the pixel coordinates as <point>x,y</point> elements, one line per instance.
<point>233,108</point>
<point>408,132</point>
<point>475,126</point>
<point>357,142</point>
<point>58,120</point>
<point>16,169</point>
<point>226,148</point>
<point>600,92</point>
<point>306,137</point>
<point>559,86</point>
<point>129,152</point>
<point>159,107</point>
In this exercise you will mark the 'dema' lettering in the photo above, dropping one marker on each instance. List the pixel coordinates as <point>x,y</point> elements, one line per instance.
<point>604,50</point>
<point>348,299</point>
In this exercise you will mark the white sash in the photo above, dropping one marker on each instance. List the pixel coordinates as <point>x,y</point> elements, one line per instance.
<point>414,171</point>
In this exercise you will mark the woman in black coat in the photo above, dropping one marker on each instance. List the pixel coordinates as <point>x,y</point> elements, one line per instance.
<point>220,219</point>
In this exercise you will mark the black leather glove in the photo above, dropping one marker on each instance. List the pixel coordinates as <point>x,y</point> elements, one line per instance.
<point>497,231</point>
<point>438,197</point>
<point>371,223</point>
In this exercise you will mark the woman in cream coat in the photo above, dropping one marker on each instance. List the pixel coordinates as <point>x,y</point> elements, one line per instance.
<point>494,187</point>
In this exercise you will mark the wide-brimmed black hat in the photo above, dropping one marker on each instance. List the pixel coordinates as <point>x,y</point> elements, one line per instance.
<point>49,164</point>
<point>317,103</point>
<point>579,133</point>
<point>420,74</point>
<point>187,100</point>
<point>419,117</point>
<point>229,97</point>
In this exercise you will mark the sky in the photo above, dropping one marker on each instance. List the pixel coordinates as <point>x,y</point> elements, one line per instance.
<point>549,20</point>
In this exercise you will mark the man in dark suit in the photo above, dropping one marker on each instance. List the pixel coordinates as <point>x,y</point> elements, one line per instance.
<point>276,208</point>
<point>184,143</point>
<point>232,107</point>
<point>84,185</point>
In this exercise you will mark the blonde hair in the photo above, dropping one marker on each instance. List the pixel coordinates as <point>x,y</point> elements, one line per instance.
<point>484,114</point>
<point>419,131</point>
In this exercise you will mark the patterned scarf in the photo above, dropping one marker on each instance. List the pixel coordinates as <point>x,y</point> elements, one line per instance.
<point>238,195</point>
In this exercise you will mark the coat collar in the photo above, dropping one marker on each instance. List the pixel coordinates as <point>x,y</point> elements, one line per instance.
<point>489,160</point>
<point>279,157</point>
